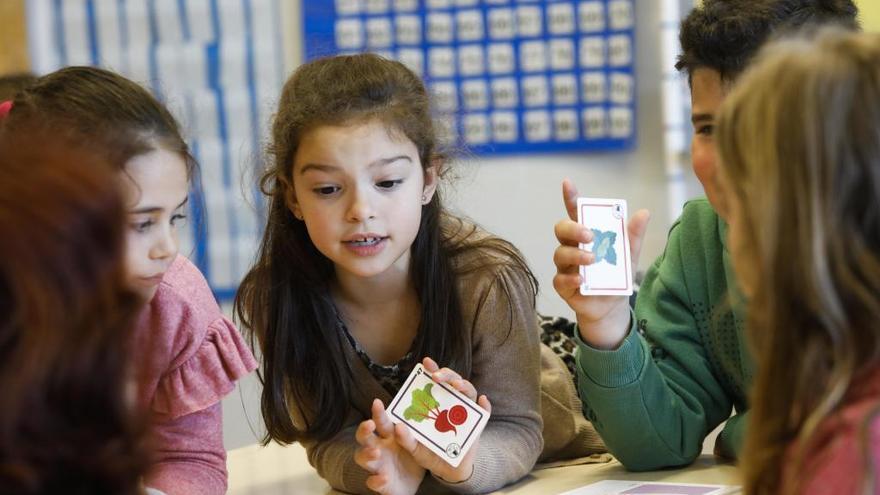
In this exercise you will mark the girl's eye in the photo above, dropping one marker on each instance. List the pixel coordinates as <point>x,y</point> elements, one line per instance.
<point>326,190</point>
<point>706,130</point>
<point>141,227</point>
<point>389,184</point>
<point>178,219</point>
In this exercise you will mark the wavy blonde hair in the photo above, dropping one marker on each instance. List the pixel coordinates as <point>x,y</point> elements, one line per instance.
<point>799,140</point>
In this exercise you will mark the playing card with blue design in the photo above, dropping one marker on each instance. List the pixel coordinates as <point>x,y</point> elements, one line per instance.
<point>611,271</point>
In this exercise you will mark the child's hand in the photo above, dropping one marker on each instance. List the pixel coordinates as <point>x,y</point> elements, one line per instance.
<point>394,471</point>
<point>429,460</point>
<point>603,321</point>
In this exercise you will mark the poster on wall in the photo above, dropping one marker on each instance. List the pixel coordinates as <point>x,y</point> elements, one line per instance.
<point>506,76</point>
<point>218,66</point>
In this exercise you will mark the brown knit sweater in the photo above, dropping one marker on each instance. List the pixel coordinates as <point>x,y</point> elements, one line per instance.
<point>536,414</point>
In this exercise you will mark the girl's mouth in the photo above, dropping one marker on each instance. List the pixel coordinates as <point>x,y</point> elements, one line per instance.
<point>369,241</point>
<point>366,246</point>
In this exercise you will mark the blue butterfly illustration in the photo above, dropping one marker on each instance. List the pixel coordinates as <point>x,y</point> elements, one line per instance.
<point>603,246</point>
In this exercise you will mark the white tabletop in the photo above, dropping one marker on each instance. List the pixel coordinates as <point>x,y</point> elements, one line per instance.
<point>272,470</point>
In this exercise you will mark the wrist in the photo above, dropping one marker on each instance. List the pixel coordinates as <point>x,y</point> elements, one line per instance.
<point>457,476</point>
<point>608,332</point>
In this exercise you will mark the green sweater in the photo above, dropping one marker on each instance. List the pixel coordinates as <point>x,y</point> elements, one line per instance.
<point>684,363</point>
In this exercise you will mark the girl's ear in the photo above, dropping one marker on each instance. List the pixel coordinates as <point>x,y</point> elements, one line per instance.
<point>432,179</point>
<point>291,202</point>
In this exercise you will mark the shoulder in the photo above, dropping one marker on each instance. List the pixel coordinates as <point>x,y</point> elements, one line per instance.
<point>846,443</point>
<point>184,301</point>
<point>699,220</point>
<point>693,264</point>
<point>699,233</point>
<point>472,248</point>
<point>492,275</point>
<point>183,277</point>
<point>482,259</point>
<point>698,208</point>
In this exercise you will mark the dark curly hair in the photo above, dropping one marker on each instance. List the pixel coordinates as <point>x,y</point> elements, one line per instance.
<point>724,35</point>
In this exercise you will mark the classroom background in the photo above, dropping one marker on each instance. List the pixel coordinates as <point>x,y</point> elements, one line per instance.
<point>516,195</point>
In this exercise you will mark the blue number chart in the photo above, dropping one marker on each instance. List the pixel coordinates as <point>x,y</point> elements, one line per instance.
<point>505,76</point>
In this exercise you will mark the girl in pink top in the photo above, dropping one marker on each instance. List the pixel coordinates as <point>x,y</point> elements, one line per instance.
<point>187,355</point>
<point>799,139</point>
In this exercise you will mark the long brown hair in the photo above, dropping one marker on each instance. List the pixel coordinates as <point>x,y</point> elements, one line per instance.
<point>799,139</point>
<point>96,102</point>
<point>285,303</point>
<point>66,425</point>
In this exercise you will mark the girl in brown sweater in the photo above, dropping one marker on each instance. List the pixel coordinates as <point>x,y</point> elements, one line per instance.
<point>361,275</point>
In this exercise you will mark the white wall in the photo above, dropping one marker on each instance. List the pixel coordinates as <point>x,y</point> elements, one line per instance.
<point>519,197</point>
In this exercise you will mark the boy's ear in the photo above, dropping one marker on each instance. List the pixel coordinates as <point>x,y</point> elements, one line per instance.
<point>432,179</point>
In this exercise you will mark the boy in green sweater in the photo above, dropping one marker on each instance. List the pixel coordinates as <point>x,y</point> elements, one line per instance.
<point>657,379</point>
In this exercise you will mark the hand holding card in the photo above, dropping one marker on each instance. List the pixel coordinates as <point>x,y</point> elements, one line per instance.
<point>438,420</point>
<point>393,471</point>
<point>603,320</point>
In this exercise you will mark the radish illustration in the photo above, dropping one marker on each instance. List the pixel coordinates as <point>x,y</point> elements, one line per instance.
<point>455,415</point>
<point>425,406</point>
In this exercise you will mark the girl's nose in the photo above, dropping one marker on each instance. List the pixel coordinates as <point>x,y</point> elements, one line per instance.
<point>165,246</point>
<point>361,208</point>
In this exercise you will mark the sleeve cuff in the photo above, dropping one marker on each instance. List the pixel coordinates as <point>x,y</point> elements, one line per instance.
<point>730,441</point>
<point>489,476</point>
<point>613,369</point>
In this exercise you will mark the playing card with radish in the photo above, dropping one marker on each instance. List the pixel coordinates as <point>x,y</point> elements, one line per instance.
<point>440,417</point>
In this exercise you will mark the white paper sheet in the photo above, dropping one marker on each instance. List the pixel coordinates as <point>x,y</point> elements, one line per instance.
<point>613,487</point>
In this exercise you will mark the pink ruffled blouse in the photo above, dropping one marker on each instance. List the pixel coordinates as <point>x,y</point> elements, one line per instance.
<point>187,356</point>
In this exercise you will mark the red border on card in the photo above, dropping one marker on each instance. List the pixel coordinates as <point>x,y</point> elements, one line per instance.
<point>625,249</point>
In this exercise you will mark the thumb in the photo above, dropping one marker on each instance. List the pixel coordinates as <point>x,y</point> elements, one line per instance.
<point>636,229</point>
<point>407,441</point>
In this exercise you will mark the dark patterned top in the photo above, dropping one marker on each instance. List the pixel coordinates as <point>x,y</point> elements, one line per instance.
<point>557,333</point>
<point>392,376</point>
